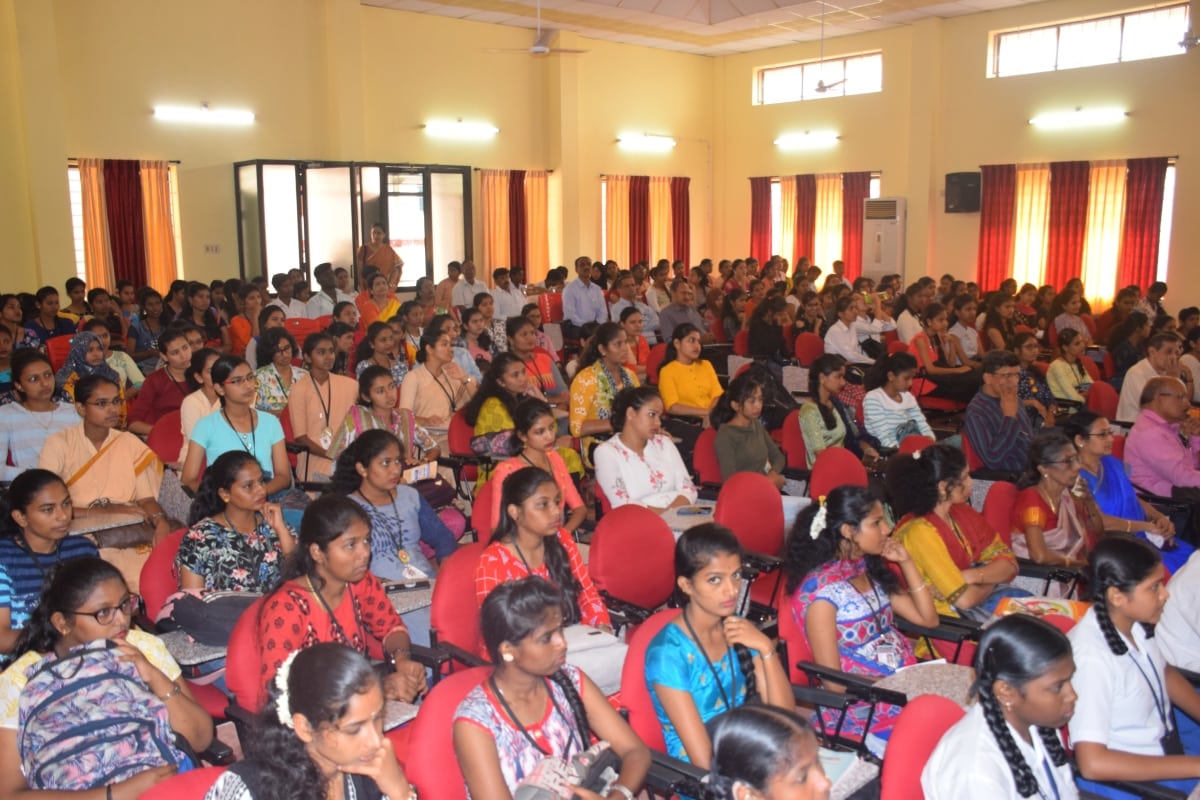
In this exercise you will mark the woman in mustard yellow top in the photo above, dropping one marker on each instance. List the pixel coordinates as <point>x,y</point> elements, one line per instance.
<point>689,387</point>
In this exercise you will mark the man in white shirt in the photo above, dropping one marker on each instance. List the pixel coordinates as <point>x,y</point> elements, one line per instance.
<point>467,287</point>
<point>508,299</point>
<point>842,338</point>
<point>627,288</point>
<point>1162,358</point>
<point>583,301</point>
<point>322,303</point>
<point>1178,631</point>
<point>283,289</point>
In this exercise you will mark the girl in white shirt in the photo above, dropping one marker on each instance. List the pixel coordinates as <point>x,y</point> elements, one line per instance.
<point>1125,728</point>
<point>639,464</point>
<point>966,312</point>
<point>1007,745</point>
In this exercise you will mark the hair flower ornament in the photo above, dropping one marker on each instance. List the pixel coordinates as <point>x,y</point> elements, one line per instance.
<point>818,523</point>
<point>282,706</point>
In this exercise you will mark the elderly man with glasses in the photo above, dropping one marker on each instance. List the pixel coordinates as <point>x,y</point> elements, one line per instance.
<point>996,424</point>
<point>1163,448</point>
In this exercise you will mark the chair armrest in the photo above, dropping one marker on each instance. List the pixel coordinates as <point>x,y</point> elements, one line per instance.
<point>1147,790</point>
<point>464,657</point>
<point>760,562</point>
<point>820,698</point>
<point>632,613</point>
<point>951,629</point>
<point>431,657</point>
<point>218,753</point>
<point>987,474</point>
<point>243,720</point>
<point>1052,572</point>
<point>1192,677</point>
<point>670,776</point>
<point>859,687</point>
<point>295,447</point>
<point>797,473</point>
<point>1158,500</point>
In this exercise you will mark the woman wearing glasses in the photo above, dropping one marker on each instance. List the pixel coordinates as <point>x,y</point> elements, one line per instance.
<point>106,469</point>
<point>1054,520</point>
<point>1105,475</point>
<point>277,376</point>
<point>87,601</point>
<point>238,426</point>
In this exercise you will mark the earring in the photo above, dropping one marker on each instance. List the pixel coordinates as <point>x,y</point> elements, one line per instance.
<point>508,657</point>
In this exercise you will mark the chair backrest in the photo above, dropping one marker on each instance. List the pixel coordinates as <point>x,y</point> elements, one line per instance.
<point>191,785</point>
<point>1042,367</point>
<point>798,648</point>
<point>482,512</point>
<point>551,306</point>
<point>974,462</point>
<point>1110,366</point>
<point>159,578</point>
<point>654,361</point>
<point>1090,322</point>
<point>808,347</point>
<point>243,661</point>
<point>1090,367</point>
<point>741,343</point>
<point>635,694</point>
<point>833,467</point>
<point>1103,399</point>
<point>793,441</point>
<point>460,434</point>
<point>431,763</point>
<point>453,612</point>
<point>998,506</point>
<point>917,732</point>
<point>166,437</point>
<point>57,350</point>
<point>914,442</point>
<point>749,505</point>
<point>289,435</point>
<point>704,457</point>
<point>645,581</point>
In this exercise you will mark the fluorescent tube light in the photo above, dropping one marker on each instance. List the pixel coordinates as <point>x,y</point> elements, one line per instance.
<point>807,140</point>
<point>462,131</point>
<point>645,142</point>
<point>203,115</point>
<point>1079,118</point>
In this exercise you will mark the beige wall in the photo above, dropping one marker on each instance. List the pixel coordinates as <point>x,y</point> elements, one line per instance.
<point>332,79</point>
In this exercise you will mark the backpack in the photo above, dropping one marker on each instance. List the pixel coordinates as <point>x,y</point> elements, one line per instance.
<point>88,719</point>
<point>777,401</point>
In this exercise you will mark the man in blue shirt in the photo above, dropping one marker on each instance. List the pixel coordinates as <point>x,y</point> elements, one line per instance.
<point>996,424</point>
<point>583,301</point>
<point>627,289</point>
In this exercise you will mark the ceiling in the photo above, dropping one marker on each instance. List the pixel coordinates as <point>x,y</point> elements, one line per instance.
<point>702,27</point>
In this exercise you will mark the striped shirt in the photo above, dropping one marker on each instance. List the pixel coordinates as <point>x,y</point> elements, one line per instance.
<point>22,573</point>
<point>23,432</point>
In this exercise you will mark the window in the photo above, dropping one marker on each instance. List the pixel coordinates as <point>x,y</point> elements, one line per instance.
<point>813,80</point>
<point>1084,43</point>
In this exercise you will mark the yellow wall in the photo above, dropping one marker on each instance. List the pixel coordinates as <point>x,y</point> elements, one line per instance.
<point>332,79</point>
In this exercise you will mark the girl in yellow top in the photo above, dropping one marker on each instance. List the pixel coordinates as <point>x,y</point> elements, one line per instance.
<point>687,383</point>
<point>601,376</point>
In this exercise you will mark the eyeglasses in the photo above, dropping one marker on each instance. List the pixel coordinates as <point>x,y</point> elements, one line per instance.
<point>1008,375</point>
<point>116,402</point>
<point>1070,460</point>
<point>105,616</point>
<point>1104,434</point>
<point>249,380</point>
<point>1176,395</point>
<point>287,348</point>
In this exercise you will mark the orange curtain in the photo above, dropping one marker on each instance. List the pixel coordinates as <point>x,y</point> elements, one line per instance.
<point>787,216</point>
<point>828,236</point>
<point>159,226</point>
<point>1102,239</point>
<point>660,220</point>
<point>1031,225</point>
<point>494,189</point>
<point>97,253</point>
<point>616,215</point>
<point>537,226</point>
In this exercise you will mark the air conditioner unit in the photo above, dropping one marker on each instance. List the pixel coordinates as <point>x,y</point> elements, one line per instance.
<point>883,236</point>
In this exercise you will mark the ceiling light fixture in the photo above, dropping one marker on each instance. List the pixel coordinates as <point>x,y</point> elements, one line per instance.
<point>645,142</point>
<point>1079,118</point>
<point>807,140</point>
<point>203,115</point>
<point>462,131</point>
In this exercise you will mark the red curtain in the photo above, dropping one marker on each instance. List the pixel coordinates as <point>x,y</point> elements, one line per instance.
<point>856,187</point>
<point>639,218</point>
<point>760,218</point>
<point>806,217</point>
<point>517,237</point>
<point>1068,221</point>
<point>1143,217</point>
<point>997,210</point>
<point>681,219</point>
<point>123,196</point>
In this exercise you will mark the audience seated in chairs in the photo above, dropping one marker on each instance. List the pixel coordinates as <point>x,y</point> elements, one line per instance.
<point>376,410</point>
<point>1067,376</point>
<point>38,412</point>
<point>996,423</point>
<point>767,751</point>
<point>1032,389</point>
<point>639,464</point>
<point>890,412</point>
<point>844,596</point>
<point>316,406</point>
<point>1023,674</point>
<point>824,421</point>
<point>1162,360</point>
<point>1054,521</point>
<point>941,357</point>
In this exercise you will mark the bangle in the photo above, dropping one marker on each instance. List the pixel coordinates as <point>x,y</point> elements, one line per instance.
<point>400,654</point>
<point>175,689</point>
<point>920,588</point>
<point>768,654</point>
<point>622,789</point>
<point>1128,526</point>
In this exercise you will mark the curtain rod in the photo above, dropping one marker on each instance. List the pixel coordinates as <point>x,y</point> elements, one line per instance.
<point>168,160</point>
<point>547,171</point>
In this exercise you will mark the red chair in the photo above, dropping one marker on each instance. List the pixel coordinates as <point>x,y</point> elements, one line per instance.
<point>57,350</point>
<point>1110,366</point>
<point>998,506</point>
<point>974,462</point>
<point>1042,367</point>
<point>796,644</point>
<point>166,437</point>
<point>654,361</point>
<point>300,328</point>
<point>635,695</point>
<point>481,511</point>
<point>1052,337</point>
<point>704,458</point>
<point>741,343</point>
<point>645,582</point>
<point>834,467</point>
<point>159,578</point>
<point>551,306</point>
<point>1090,322</point>
<point>191,785</point>
<point>459,437</point>
<point>1090,367</point>
<point>896,346</point>
<point>750,506</point>
<point>918,729</point>
<point>1103,399</point>
<point>453,612</point>
<point>430,762</point>
<point>243,663</point>
<point>793,442</point>
<point>914,442</point>
<point>808,347</point>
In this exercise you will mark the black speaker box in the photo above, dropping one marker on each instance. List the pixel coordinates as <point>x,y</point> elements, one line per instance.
<point>962,192</point>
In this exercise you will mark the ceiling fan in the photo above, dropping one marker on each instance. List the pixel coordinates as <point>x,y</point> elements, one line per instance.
<point>541,44</point>
<point>822,87</point>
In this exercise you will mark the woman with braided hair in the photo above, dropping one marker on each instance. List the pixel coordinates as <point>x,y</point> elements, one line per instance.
<point>764,752</point>
<point>1007,745</point>
<point>707,660</point>
<point>534,704</point>
<point>1125,727</point>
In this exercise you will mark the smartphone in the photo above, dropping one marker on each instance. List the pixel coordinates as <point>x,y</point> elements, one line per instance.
<point>742,604</point>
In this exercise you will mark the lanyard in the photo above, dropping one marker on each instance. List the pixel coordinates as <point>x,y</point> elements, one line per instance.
<point>242,436</point>
<point>328,401</point>
<point>716,677</point>
<point>1159,704</point>
<point>339,632</point>
<point>525,732</point>
<point>875,612</point>
<point>1053,782</point>
<point>449,396</point>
